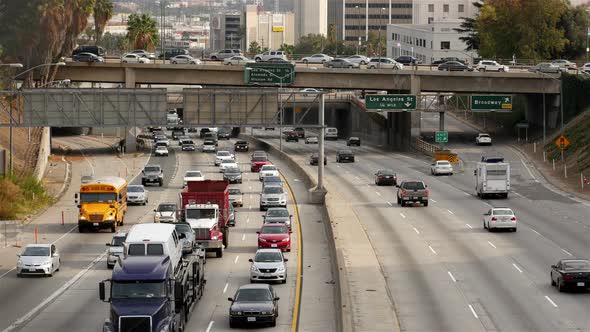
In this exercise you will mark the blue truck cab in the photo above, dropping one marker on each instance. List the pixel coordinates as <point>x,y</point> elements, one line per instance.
<point>146,294</point>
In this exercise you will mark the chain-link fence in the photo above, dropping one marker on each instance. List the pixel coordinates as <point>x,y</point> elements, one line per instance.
<point>10,233</point>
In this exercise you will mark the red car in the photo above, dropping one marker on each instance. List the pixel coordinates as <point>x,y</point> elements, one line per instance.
<point>257,162</point>
<point>274,236</point>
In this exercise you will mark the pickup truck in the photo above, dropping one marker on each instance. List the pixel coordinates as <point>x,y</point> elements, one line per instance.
<point>412,192</point>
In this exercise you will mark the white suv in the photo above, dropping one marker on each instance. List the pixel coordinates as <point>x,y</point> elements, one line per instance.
<point>223,54</point>
<point>483,139</point>
<point>489,65</point>
<point>269,55</point>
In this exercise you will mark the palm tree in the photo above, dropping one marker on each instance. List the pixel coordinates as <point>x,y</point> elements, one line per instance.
<point>142,31</point>
<point>102,11</point>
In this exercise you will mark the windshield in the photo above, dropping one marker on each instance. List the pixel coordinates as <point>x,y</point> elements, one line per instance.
<point>200,214</point>
<point>152,169</point>
<point>253,295</point>
<point>135,189</point>
<point>386,172</point>
<point>345,152</point>
<point>272,179</point>
<point>256,159</point>
<point>234,191</point>
<point>223,154</point>
<point>193,174</point>
<point>161,148</point>
<point>228,161</point>
<point>241,142</point>
<point>117,241</point>
<point>274,230</point>
<point>232,170</point>
<point>36,251</point>
<point>138,290</point>
<point>273,190</point>
<point>268,257</point>
<point>98,197</point>
<point>183,228</point>
<point>443,163</point>
<point>503,212</point>
<point>413,185</point>
<point>139,249</point>
<point>576,265</point>
<point>166,208</point>
<point>277,213</point>
<point>269,168</point>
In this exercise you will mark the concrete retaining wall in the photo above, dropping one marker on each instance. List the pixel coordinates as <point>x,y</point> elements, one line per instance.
<point>43,153</point>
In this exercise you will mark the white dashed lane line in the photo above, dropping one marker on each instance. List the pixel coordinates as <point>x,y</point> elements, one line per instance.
<point>378,193</point>
<point>225,288</point>
<point>550,301</point>
<point>567,252</point>
<point>236,260</point>
<point>517,268</point>
<point>403,215</point>
<point>452,277</point>
<point>209,326</point>
<point>243,237</point>
<point>390,204</point>
<point>416,230</point>
<point>468,226</point>
<point>491,244</point>
<point>432,200</point>
<point>432,249</point>
<point>451,212</point>
<point>473,312</point>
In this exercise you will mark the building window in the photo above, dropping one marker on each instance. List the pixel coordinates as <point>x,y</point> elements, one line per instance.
<point>430,19</point>
<point>431,8</point>
<point>446,8</point>
<point>445,45</point>
<point>461,8</point>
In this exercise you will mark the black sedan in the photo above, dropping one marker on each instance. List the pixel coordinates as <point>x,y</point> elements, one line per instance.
<point>443,60</point>
<point>344,155</point>
<point>291,136</point>
<point>353,141</point>
<point>254,304</point>
<point>241,146</point>
<point>233,175</point>
<point>571,273</point>
<point>453,66</point>
<point>223,133</point>
<point>385,177</point>
<point>313,159</point>
<point>407,60</point>
<point>87,57</point>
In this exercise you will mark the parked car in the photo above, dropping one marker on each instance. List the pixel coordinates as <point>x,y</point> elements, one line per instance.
<point>237,60</point>
<point>317,58</point>
<point>412,192</point>
<point>187,236</point>
<point>270,55</point>
<point>547,67</point>
<point>137,194</point>
<point>441,167</point>
<point>185,59</point>
<point>311,140</point>
<point>341,63</point>
<point>482,139</point>
<point>453,66</point>
<point>268,265</point>
<point>226,53</point>
<point>407,60</point>
<point>134,58</point>
<point>344,155</point>
<point>279,215</point>
<point>384,63</point>
<point>236,197</point>
<point>40,259</point>
<point>241,146</point>
<point>490,65</point>
<point>313,159</point>
<point>385,177</point>
<point>353,141</point>
<point>259,302</point>
<point>499,218</point>
<point>87,57</point>
<point>571,273</point>
<point>274,236</point>
<point>161,151</point>
<point>358,59</point>
<point>145,54</point>
<point>562,63</point>
<point>115,248</point>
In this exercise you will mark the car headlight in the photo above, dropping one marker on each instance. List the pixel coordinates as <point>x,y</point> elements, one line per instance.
<point>281,269</point>
<point>286,239</point>
<point>214,237</point>
<point>157,217</point>
<point>82,218</point>
<point>111,217</point>
<point>19,262</point>
<point>46,264</point>
<point>254,268</point>
<point>236,313</point>
<point>262,240</point>
<point>265,312</point>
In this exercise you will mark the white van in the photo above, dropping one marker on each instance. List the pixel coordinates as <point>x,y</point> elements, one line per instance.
<point>154,240</point>
<point>331,133</point>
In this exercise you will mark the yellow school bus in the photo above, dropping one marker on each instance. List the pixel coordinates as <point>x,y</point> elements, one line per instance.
<point>102,203</point>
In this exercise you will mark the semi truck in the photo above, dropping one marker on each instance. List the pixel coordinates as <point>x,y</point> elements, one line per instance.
<point>146,294</point>
<point>492,177</point>
<point>205,206</point>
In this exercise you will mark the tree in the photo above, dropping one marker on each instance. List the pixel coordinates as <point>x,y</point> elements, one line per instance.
<point>102,11</point>
<point>288,49</point>
<point>312,43</point>
<point>142,32</point>
<point>468,27</point>
<point>574,23</point>
<point>254,48</point>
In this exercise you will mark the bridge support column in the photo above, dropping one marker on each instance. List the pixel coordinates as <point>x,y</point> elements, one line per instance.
<point>129,78</point>
<point>415,121</point>
<point>441,121</point>
<point>318,193</point>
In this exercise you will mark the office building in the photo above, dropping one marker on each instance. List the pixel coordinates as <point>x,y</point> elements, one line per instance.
<point>270,30</point>
<point>428,11</point>
<point>226,31</point>
<point>427,42</point>
<point>311,17</point>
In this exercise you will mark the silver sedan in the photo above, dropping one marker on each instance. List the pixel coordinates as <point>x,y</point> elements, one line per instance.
<point>237,60</point>
<point>40,259</point>
<point>341,63</point>
<point>185,59</point>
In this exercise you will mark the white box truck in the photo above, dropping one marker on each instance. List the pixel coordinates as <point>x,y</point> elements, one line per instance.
<point>492,177</point>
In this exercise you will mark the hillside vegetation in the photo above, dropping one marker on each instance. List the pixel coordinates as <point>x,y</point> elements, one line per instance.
<point>577,154</point>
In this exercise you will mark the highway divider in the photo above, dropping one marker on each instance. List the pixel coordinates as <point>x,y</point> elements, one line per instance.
<point>356,266</point>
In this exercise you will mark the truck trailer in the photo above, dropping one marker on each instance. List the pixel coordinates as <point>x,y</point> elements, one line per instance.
<point>492,177</point>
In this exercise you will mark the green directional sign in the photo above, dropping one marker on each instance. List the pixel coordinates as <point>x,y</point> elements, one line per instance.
<point>441,137</point>
<point>390,102</point>
<point>267,73</point>
<point>491,103</point>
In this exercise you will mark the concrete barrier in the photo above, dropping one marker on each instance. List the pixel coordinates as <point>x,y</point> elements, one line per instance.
<point>356,265</point>
<point>43,153</point>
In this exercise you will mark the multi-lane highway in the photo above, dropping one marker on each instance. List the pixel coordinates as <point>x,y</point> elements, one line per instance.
<point>444,271</point>
<point>69,300</point>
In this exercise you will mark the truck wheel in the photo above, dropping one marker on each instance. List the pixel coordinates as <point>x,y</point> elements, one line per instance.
<point>426,204</point>
<point>160,182</point>
<point>226,237</point>
<point>219,253</point>
<point>403,203</point>
<point>81,229</point>
<point>142,182</point>
<point>274,322</point>
<point>113,229</point>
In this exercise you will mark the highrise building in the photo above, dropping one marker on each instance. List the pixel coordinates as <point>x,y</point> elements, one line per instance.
<point>311,16</point>
<point>226,31</point>
<point>268,29</point>
<point>427,11</point>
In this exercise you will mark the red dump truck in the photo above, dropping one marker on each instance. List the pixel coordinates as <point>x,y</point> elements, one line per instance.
<point>205,206</point>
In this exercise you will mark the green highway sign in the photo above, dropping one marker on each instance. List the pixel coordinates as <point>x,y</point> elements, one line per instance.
<point>390,102</point>
<point>266,73</point>
<point>491,103</point>
<point>441,137</point>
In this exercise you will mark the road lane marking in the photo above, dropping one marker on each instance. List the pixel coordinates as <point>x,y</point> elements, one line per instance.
<point>403,215</point>
<point>225,288</point>
<point>247,221</point>
<point>468,226</point>
<point>7,272</point>
<point>236,260</point>
<point>535,232</point>
<point>529,170</point>
<point>416,230</point>
<point>466,193</point>
<point>243,237</point>
<point>432,200</point>
<point>378,193</point>
<point>567,252</point>
<point>473,312</point>
<point>516,267</point>
<point>296,180</point>
<point>451,212</point>
<point>250,207</point>
<point>451,275</point>
<point>209,326</point>
<point>432,249</point>
<point>550,301</point>
<point>338,166</point>
<point>491,244</point>
<point>390,204</point>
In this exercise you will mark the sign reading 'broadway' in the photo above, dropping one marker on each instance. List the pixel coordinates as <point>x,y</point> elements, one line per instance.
<point>491,103</point>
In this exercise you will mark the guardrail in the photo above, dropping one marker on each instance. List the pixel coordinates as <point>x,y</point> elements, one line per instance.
<point>425,147</point>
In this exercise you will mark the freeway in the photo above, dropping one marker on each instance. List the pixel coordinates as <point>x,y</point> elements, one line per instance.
<point>444,271</point>
<point>69,300</point>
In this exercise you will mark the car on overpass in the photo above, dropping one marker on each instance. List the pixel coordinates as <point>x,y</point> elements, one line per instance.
<point>407,60</point>
<point>291,136</point>
<point>237,60</point>
<point>226,53</point>
<point>145,54</point>
<point>185,59</point>
<point>562,63</point>
<point>341,63</point>
<point>490,65</point>
<point>134,58</point>
<point>278,60</point>
<point>453,66</point>
<point>269,55</point>
<point>309,92</point>
<point>547,67</point>
<point>317,58</point>
<point>384,63</point>
<point>359,59</point>
<point>87,57</point>
<point>443,60</point>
